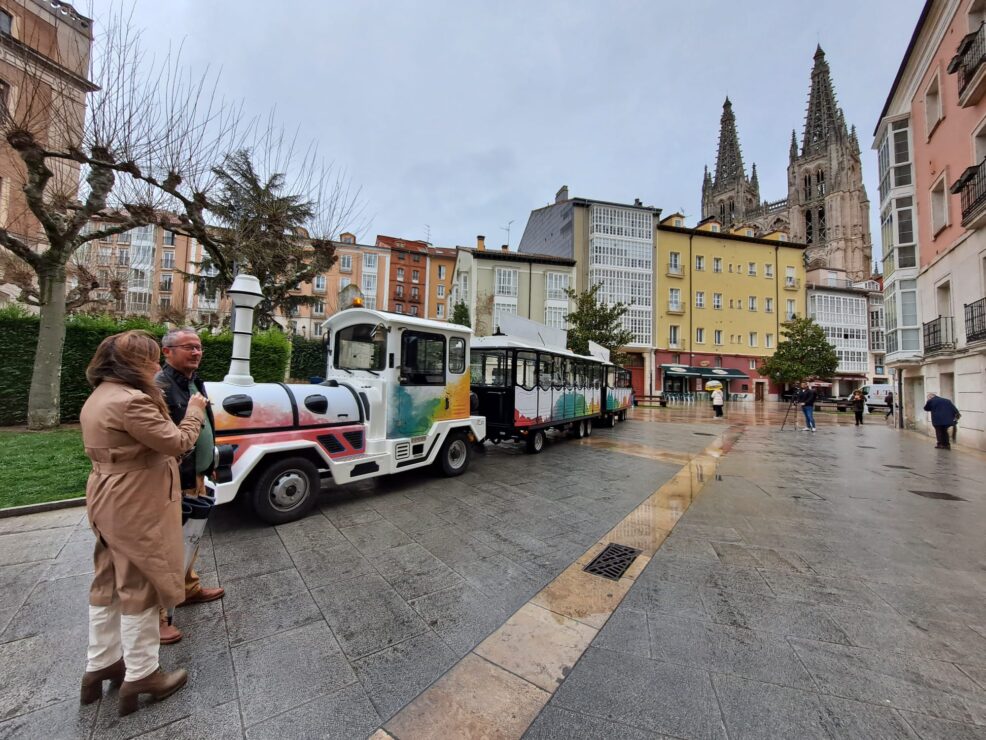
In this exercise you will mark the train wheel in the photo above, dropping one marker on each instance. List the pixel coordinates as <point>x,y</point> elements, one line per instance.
<point>286,490</point>
<point>588,427</point>
<point>454,455</point>
<point>578,428</point>
<point>535,441</point>
<point>611,421</point>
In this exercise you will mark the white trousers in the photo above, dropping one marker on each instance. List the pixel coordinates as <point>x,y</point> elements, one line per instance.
<point>134,637</point>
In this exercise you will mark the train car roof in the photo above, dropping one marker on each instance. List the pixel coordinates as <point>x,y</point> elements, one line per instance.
<point>351,316</point>
<point>508,342</point>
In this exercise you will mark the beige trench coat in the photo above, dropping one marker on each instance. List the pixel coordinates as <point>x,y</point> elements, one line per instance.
<point>133,497</point>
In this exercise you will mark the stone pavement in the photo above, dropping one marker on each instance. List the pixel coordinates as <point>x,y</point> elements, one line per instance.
<point>807,592</point>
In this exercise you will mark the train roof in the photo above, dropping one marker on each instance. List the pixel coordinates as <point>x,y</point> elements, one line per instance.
<point>350,316</point>
<point>508,342</point>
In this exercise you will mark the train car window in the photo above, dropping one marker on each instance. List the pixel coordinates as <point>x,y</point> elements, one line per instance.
<point>569,375</point>
<point>611,377</point>
<point>546,372</point>
<point>422,359</point>
<point>360,347</point>
<point>526,370</point>
<point>488,368</point>
<point>579,374</point>
<point>456,355</point>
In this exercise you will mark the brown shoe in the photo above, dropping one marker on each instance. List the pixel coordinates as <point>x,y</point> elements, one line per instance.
<point>169,634</point>
<point>160,685</point>
<point>203,595</point>
<point>92,681</point>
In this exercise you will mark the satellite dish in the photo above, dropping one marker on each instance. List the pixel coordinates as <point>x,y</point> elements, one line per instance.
<point>350,297</point>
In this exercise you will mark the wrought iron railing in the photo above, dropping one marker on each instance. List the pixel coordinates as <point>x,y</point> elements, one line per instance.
<point>938,334</point>
<point>973,191</point>
<point>971,57</point>
<point>975,320</point>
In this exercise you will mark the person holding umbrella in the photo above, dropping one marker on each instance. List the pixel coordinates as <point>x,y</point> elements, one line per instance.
<point>718,398</point>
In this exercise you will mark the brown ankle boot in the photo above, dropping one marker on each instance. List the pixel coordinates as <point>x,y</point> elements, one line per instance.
<point>159,685</point>
<point>92,681</point>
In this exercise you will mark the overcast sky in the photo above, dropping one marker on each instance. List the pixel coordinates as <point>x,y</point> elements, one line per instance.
<point>463,116</point>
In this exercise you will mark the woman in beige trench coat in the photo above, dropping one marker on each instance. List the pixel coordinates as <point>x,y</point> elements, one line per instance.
<point>133,500</point>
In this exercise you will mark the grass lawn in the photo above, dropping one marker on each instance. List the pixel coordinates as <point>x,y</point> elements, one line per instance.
<point>41,466</point>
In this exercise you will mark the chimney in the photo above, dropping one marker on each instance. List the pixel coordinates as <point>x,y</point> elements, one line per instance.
<point>637,202</point>
<point>505,247</point>
<point>481,243</point>
<point>562,194</point>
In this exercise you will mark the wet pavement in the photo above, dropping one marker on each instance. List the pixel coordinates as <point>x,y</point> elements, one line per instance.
<point>789,585</point>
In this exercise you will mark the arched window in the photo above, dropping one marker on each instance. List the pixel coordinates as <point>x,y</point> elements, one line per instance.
<point>809,230</point>
<point>820,182</point>
<point>732,211</point>
<point>808,187</point>
<point>821,224</point>
<point>722,212</point>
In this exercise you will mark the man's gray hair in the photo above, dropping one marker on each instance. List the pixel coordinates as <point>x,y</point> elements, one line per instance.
<point>171,338</point>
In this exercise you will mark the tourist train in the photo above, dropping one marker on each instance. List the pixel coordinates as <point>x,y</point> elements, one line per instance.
<point>399,393</point>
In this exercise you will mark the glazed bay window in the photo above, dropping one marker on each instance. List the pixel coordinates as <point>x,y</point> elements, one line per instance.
<point>894,158</point>
<point>555,286</point>
<point>503,307</point>
<point>369,263</point>
<point>556,316</point>
<point>368,284</point>
<point>505,283</point>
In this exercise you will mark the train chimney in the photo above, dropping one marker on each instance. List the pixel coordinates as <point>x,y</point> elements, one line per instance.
<point>246,294</point>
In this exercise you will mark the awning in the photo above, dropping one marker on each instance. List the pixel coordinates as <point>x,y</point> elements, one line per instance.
<point>681,371</point>
<point>724,373</point>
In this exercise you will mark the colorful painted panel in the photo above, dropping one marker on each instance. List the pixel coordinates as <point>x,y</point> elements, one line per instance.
<point>341,448</point>
<point>413,409</point>
<point>618,399</point>
<point>271,406</point>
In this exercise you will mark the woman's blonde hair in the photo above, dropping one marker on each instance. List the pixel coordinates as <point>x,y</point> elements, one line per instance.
<point>127,358</point>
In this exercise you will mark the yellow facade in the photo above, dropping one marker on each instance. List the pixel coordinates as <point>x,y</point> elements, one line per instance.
<point>725,294</point>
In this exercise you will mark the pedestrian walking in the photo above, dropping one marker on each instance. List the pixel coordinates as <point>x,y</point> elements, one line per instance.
<point>717,402</point>
<point>943,415</point>
<point>180,380</point>
<point>807,398</point>
<point>134,509</point>
<point>858,403</point>
<point>890,405</point>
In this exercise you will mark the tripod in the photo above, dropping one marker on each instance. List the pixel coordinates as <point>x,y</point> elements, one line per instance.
<point>791,405</point>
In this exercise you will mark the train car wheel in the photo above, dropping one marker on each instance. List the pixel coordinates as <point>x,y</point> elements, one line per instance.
<point>578,428</point>
<point>535,441</point>
<point>454,455</point>
<point>588,427</point>
<point>611,421</point>
<point>286,490</point>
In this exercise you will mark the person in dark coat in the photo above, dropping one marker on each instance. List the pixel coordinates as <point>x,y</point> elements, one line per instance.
<point>890,405</point>
<point>858,403</point>
<point>807,398</point>
<point>943,415</point>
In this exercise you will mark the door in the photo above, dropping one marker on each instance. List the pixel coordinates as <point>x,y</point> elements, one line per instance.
<point>758,391</point>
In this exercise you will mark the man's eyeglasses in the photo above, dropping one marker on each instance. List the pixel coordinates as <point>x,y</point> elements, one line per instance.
<point>187,347</point>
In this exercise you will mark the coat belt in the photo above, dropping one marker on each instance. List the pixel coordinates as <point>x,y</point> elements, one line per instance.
<point>129,466</point>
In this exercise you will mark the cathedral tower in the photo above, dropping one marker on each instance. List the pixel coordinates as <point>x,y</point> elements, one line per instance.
<point>828,207</point>
<point>730,196</point>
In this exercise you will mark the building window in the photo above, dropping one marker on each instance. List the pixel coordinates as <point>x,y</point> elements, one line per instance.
<point>932,106</point>
<point>699,335</point>
<point>699,262</point>
<point>164,302</point>
<point>440,291</point>
<point>320,283</point>
<point>700,299</point>
<point>674,260</point>
<point>752,269</point>
<point>400,291</point>
<point>673,336</point>
<point>168,260</point>
<point>675,358</point>
<point>717,301</point>
<point>400,274</point>
<point>718,360</point>
<point>556,285</point>
<point>440,310</point>
<point>122,256</point>
<point>768,341</point>
<point>414,310</point>
<point>416,258</point>
<point>169,238</point>
<point>717,264</point>
<point>790,312</point>
<point>415,276</point>
<point>399,307</point>
<point>717,340</point>
<point>317,329</point>
<point>505,282</point>
<point>753,362</point>
<point>318,308</point>
<point>555,316</point>
<point>674,299</point>
<point>166,281</point>
<point>752,304</point>
<point>368,285</point>
<point>768,305</point>
<point>343,282</point>
<point>6,23</point>
<point>768,270</point>
<point>345,263</point>
<point>939,206</point>
<point>753,339</point>
<point>503,308</point>
<point>441,272</point>
<point>415,293</point>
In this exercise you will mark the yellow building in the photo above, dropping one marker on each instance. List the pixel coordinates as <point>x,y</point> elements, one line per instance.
<point>721,299</point>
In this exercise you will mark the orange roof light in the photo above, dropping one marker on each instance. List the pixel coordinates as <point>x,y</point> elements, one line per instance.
<point>357,302</point>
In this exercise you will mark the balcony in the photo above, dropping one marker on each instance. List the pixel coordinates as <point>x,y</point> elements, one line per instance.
<point>975,321</point>
<point>792,283</point>
<point>939,335</point>
<point>675,270</point>
<point>968,62</point>
<point>676,307</point>
<point>972,188</point>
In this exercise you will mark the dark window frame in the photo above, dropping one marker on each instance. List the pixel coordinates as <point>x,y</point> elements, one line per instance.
<point>416,375</point>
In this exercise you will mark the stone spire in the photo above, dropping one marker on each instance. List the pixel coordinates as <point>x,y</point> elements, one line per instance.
<point>794,145</point>
<point>729,160</point>
<point>854,140</point>
<point>823,119</point>
<point>755,182</point>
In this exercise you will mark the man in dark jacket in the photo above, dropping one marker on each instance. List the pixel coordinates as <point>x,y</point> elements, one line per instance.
<point>179,379</point>
<point>807,398</point>
<point>943,415</point>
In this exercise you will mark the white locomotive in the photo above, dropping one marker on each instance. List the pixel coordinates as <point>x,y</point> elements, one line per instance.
<point>396,398</point>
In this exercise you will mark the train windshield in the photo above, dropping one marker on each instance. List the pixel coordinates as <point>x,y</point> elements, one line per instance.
<point>488,367</point>
<point>360,347</point>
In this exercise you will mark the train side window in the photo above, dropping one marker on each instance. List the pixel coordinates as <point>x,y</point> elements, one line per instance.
<point>545,372</point>
<point>611,377</point>
<point>580,375</point>
<point>488,368</point>
<point>360,347</point>
<point>422,359</point>
<point>456,355</point>
<point>526,370</point>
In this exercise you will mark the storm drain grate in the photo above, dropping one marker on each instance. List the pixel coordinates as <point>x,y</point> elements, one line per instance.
<point>704,434</point>
<point>898,467</point>
<point>613,561</point>
<point>939,495</point>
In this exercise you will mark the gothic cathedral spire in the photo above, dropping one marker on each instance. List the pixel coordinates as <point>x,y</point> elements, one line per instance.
<point>729,196</point>
<point>729,159</point>
<point>824,120</point>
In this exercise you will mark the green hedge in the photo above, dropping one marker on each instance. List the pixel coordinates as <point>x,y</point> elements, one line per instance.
<point>270,357</point>
<point>307,358</point>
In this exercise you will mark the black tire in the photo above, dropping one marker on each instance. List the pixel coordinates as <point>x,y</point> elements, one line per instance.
<point>588,427</point>
<point>578,429</point>
<point>286,490</point>
<point>455,454</point>
<point>611,420</point>
<point>535,441</point>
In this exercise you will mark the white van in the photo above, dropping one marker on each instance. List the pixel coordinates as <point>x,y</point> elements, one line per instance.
<point>876,396</point>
